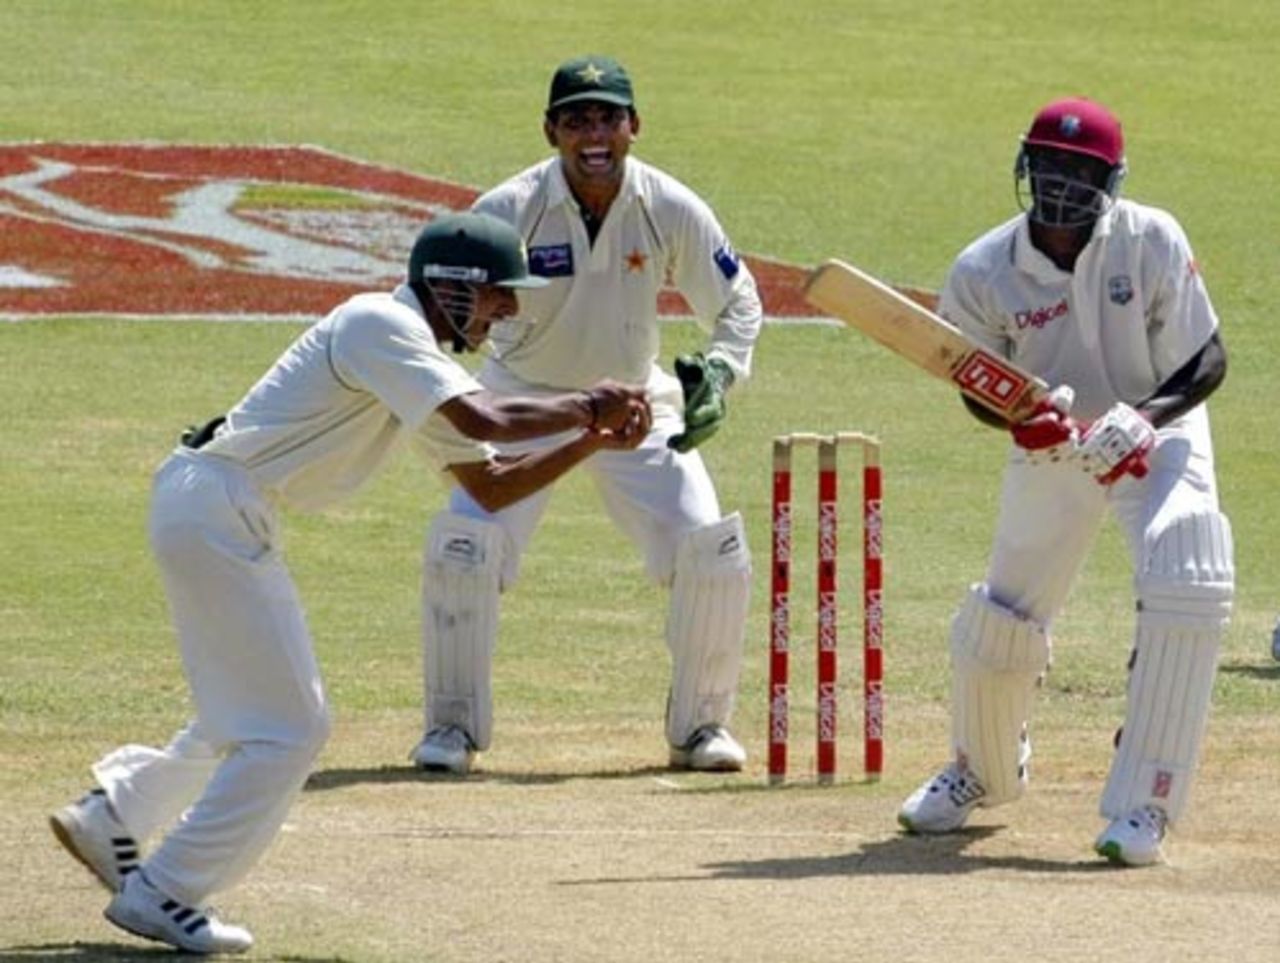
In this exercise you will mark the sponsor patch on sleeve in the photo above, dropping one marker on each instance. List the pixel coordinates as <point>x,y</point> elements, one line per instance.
<point>551,261</point>
<point>727,261</point>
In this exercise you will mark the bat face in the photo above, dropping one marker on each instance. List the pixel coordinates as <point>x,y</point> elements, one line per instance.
<point>914,332</point>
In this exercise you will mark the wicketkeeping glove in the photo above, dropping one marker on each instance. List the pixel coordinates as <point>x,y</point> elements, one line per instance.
<point>704,382</point>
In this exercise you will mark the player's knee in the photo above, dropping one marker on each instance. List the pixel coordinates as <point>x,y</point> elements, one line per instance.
<point>1188,568</point>
<point>718,550</point>
<point>193,743</point>
<point>993,637</point>
<point>307,736</point>
<point>466,548</point>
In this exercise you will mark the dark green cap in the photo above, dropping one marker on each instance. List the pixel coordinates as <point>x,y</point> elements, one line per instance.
<point>475,248</point>
<point>590,78</point>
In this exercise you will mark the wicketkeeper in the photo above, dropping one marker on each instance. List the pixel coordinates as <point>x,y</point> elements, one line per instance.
<point>607,231</point>
<point>1103,297</point>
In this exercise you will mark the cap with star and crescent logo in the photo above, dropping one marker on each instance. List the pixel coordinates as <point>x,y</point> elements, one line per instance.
<point>590,78</point>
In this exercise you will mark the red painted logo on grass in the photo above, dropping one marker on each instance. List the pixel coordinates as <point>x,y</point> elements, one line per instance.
<point>166,230</point>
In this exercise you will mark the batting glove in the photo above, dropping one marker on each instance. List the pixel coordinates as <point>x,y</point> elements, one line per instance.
<point>1117,444</point>
<point>704,382</point>
<point>1048,433</point>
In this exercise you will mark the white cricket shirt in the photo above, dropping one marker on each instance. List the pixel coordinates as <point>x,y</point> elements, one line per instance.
<point>344,395</point>
<point>599,315</point>
<point>1132,313</point>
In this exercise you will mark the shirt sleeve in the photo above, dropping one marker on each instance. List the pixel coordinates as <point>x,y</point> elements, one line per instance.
<point>1181,318</point>
<point>718,285</point>
<point>961,302</point>
<point>499,202</point>
<point>442,445</point>
<point>392,355</point>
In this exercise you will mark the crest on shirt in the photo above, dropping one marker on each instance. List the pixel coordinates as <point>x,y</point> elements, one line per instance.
<point>636,261</point>
<point>551,260</point>
<point>1120,289</point>
<point>727,261</point>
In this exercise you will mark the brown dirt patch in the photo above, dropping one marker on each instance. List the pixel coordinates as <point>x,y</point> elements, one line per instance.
<point>558,851</point>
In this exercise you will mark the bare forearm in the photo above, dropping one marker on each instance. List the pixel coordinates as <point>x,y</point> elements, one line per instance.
<point>1189,386</point>
<point>504,481</point>
<point>487,416</point>
<point>516,418</point>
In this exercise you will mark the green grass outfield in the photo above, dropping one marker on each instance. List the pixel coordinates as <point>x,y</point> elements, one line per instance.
<point>881,132</point>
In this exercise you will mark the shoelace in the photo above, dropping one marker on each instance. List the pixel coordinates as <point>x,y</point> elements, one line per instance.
<point>1153,817</point>
<point>962,790</point>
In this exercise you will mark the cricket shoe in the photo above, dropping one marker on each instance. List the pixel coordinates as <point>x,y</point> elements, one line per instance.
<point>145,911</point>
<point>89,831</point>
<point>445,749</point>
<point>1134,839</point>
<point>943,803</point>
<point>711,748</point>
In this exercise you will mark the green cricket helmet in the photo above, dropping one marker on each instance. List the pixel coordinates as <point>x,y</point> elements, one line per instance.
<point>472,248</point>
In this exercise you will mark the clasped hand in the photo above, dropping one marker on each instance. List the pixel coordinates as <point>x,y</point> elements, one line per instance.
<point>622,416</point>
<point>1115,445</point>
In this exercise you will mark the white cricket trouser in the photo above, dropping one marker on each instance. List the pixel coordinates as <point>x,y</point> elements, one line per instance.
<point>231,775</point>
<point>1050,514</point>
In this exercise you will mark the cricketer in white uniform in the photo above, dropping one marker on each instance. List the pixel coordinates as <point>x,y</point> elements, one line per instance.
<point>607,231</point>
<point>1101,296</point>
<point>353,388</point>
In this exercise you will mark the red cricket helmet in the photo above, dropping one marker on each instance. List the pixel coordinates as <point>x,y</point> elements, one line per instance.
<point>1078,125</point>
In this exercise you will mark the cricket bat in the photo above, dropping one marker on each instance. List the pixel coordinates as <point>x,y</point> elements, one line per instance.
<point>913,331</point>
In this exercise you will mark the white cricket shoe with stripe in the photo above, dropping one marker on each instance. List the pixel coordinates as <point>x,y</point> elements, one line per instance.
<point>145,911</point>
<point>1134,839</point>
<point>89,831</point>
<point>710,749</point>
<point>943,803</point>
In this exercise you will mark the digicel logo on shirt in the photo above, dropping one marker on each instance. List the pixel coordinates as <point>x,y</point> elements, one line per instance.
<point>1039,317</point>
<point>198,231</point>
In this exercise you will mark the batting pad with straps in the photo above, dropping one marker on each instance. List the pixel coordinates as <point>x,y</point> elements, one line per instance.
<point>705,626</point>
<point>460,583</point>
<point>1184,602</point>
<point>996,657</point>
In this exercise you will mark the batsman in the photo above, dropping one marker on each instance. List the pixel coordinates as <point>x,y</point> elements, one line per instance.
<point>608,232</point>
<point>1102,297</point>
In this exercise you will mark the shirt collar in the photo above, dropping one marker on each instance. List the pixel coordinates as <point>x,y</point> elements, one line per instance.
<point>558,188</point>
<point>1031,260</point>
<point>404,294</point>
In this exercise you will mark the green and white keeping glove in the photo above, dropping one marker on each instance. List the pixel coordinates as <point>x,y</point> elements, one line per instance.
<point>704,381</point>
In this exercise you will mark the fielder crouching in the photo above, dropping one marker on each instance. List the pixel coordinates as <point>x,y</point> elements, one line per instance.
<point>350,390</point>
<point>1103,297</point>
<point>609,232</point>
